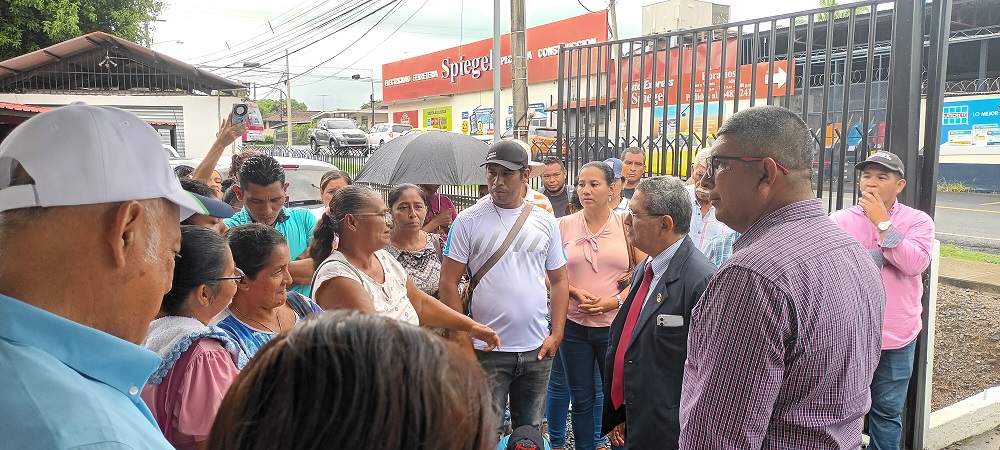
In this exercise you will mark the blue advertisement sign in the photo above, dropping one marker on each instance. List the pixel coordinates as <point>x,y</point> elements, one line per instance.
<point>971,127</point>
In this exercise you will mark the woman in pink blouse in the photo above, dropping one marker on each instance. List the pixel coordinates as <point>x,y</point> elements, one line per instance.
<point>199,361</point>
<point>599,255</point>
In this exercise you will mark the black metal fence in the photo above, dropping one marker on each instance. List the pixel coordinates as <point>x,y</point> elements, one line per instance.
<point>668,93</point>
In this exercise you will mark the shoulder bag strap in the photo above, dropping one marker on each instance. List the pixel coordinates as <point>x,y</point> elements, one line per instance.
<point>523,217</point>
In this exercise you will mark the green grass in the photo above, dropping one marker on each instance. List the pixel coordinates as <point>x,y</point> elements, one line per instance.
<point>952,251</point>
<point>952,186</point>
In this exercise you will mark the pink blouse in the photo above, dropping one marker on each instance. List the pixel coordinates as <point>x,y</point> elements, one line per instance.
<point>207,377</point>
<point>596,262</point>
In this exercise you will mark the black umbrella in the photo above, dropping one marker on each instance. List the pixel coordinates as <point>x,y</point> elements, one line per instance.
<point>432,157</point>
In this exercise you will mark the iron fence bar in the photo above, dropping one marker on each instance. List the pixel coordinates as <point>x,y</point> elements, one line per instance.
<point>561,109</point>
<point>676,144</point>
<point>642,86</point>
<point>869,63</point>
<point>902,127</point>
<point>790,65</point>
<point>662,145</point>
<point>619,78</point>
<point>690,136</point>
<point>631,87</point>
<point>579,99</point>
<point>916,423</point>
<point>846,169</point>
<point>770,62</point>
<point>754,55</point>
<point>705,92</point>
<point>739,63</point>
<point>652,91</point>
<point>827,80</point>
<point>723,66</point>
<point>586,112</point>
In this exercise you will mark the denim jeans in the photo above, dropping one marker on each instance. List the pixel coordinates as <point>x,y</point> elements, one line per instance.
<point>557,401</point>
<point>581,350</point>
<point>521,377</point>
<point>889,385</point>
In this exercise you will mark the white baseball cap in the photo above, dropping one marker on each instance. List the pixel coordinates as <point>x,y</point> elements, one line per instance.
<point>84,155</point>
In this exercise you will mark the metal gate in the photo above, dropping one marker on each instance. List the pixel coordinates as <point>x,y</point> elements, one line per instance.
<point>852,72</point>
<point>668,93</point>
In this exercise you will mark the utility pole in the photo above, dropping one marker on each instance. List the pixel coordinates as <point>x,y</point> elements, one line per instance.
<point>518,50</point>
<point>495,65</point>
<point>288,97</point>
<point>324,102</point>
<point>613,16</point>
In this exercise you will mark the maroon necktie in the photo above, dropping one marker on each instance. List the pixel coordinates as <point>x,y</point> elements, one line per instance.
<point>617,381</point>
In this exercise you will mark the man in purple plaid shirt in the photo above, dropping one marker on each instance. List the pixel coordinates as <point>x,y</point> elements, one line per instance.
<point>784,342</point>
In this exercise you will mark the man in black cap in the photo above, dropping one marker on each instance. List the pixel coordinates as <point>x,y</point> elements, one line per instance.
<point>510,247</point>
<point>900,239</point>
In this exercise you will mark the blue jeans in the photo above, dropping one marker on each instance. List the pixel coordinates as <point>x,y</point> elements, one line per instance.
<point>889,384</point>
<point>581,350</point>
<point>521,377</point>
<point>557,401</point>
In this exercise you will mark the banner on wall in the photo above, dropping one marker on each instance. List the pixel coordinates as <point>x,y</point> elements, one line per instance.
<point>438,118</point>
<point>411,118</point>
<point>469,68</point>
<point>971,127</point>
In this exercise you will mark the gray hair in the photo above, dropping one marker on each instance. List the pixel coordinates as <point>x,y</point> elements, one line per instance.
<point>666,195</point>
<point>701,159</point>
<point>772,131</point>
<point>634,151</point>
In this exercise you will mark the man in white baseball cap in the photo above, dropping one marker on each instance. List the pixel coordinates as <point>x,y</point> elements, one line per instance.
<point>89,229</point>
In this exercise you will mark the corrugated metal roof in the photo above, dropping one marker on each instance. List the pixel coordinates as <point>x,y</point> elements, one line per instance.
<point>98,41</point>
<point>22,108</point>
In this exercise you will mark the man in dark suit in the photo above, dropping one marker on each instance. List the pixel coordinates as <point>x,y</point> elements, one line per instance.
<point>649,337</point>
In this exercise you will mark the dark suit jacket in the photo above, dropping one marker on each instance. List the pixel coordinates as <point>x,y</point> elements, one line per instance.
<point>654,360</point>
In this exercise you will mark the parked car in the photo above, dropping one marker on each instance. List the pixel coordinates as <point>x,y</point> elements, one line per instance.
<point>542,141</point>
<point>385,132</point>
<point>340,135</point>
<point>171,152</point>
<point>301,174</point>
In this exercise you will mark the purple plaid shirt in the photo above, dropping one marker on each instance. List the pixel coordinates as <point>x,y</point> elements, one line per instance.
<point>784,341</point>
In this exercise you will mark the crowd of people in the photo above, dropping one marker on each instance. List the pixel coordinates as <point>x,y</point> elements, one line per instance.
<point>190,311</point>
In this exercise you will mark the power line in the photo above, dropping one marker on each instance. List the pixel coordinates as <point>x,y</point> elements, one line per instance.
<point>353,18</point>
<point>275,44</point>
<point>584,6</point>
<point>270,32</point>
<point>419,8</point>
<point>396,7</point>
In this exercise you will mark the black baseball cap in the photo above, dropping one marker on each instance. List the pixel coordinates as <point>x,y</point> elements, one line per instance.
<point>526,437</point>
<point>885,159</point>
<point>509,154</point>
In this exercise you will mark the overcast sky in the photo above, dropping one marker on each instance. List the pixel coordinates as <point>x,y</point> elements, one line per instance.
<point>206,28</point>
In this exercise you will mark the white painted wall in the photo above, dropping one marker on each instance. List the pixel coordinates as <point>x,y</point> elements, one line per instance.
<point>202,114</point>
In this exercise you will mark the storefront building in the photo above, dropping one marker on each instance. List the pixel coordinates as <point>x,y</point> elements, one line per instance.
<point>452,89</point>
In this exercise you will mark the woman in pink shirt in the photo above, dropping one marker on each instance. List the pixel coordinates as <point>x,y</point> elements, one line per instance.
<point>599,255</point>
<point>199,361</point>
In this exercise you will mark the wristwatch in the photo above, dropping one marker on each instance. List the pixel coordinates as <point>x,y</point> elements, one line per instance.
<point>882,226</point>
<point>620,301</point>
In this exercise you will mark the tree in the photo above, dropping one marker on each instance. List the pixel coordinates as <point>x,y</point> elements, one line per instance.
<point>838,14</point>
<point>270,107</point>
<point>367,105</point>
<point>29,25</point>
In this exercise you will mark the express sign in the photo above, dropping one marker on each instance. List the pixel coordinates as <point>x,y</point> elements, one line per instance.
<point>694,88</point>
<point>469,68</point>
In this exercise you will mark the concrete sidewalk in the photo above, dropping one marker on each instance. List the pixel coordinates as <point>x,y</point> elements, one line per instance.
<point>973,275</point>
<point>984,277</point>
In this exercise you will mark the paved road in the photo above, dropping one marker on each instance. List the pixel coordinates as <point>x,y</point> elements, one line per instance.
<point>970,221</point>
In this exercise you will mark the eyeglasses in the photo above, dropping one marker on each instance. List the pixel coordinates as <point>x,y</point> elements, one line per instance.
<point>634,214</point>
<point>238,277</point>
<point>713,163</point>
<point>387,216</point>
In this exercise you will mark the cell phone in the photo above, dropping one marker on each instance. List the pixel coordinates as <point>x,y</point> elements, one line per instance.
<point>240,111</point>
